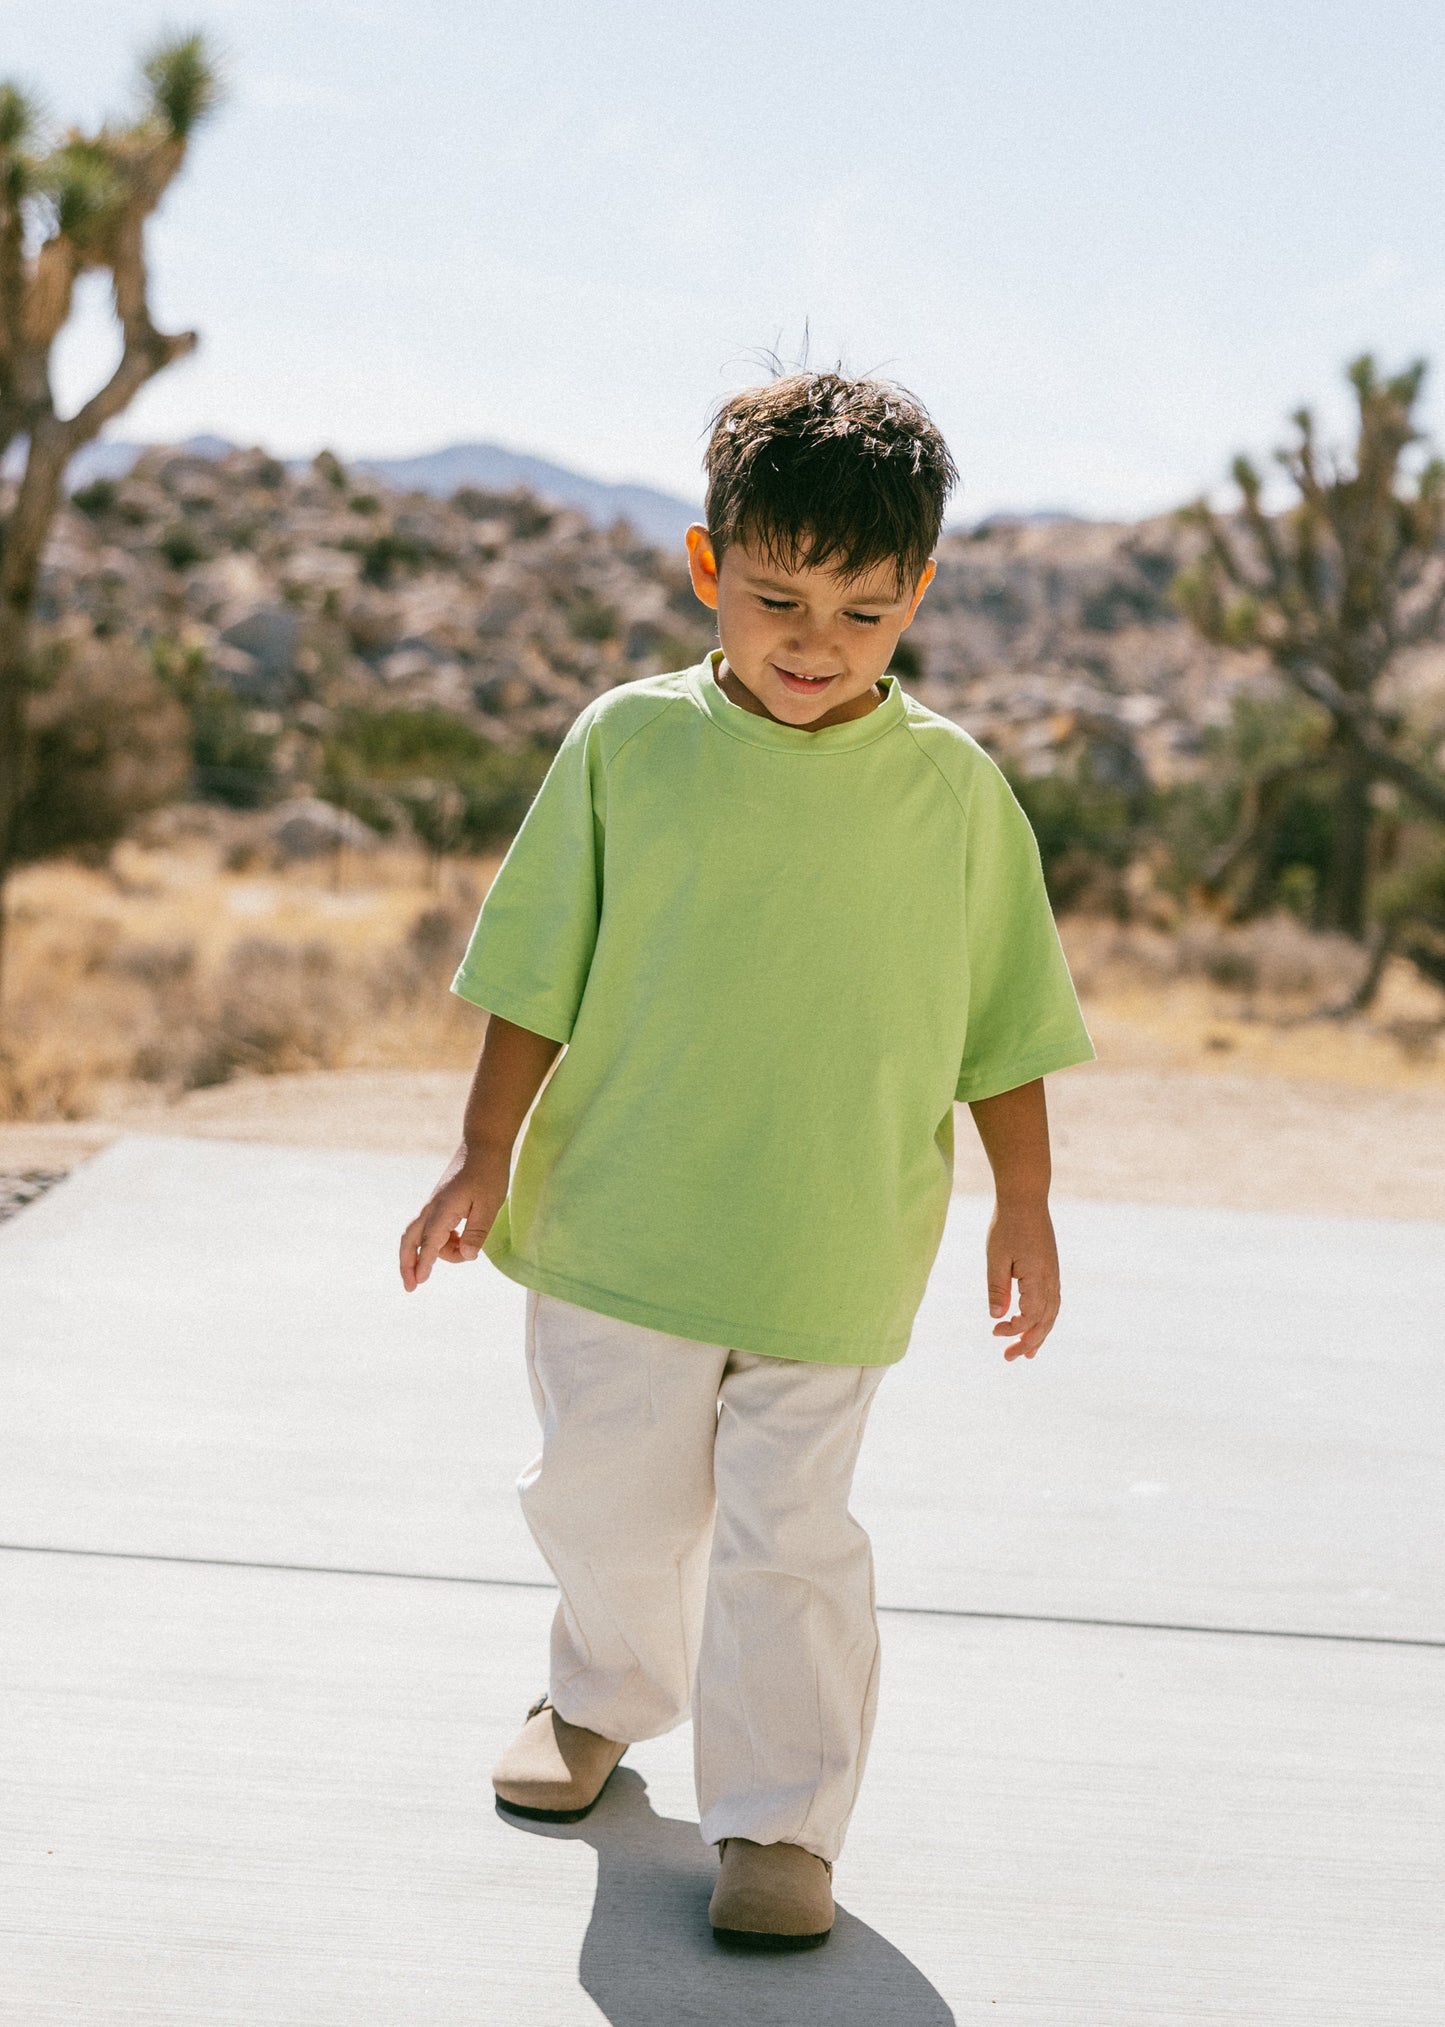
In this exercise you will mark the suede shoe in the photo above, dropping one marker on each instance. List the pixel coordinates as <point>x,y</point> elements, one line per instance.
<point>553,1772</point>
<point>771,1897</point>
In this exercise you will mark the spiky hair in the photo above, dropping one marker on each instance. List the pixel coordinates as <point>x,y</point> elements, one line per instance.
<point>814,469</point>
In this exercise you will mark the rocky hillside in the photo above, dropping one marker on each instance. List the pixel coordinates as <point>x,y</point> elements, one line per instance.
<point>305,596</point>
<point>317,590</point>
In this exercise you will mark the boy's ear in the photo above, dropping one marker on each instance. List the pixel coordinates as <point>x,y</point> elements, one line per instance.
<point>930,570</point>
<point>702,563</point>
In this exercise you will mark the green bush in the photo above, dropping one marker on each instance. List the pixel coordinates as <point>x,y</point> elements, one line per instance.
<point>907,662</point>
<point>231,762</point>
<point>1087,832</point>
<point>97,499</point>
<point>182,547</point>
<point>458,789</point>
<point>589,618</point>
<point>385,554</point>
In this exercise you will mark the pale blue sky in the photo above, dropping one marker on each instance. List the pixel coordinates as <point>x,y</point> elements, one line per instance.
<point>1108,244</point>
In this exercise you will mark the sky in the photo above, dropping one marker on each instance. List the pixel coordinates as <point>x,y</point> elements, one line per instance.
<point>1107,245</point>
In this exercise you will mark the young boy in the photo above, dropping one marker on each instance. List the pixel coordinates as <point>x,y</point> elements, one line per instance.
<point>774,916</point>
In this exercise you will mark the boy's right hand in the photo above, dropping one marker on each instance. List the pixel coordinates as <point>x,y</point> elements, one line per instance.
<point>469,1195</point>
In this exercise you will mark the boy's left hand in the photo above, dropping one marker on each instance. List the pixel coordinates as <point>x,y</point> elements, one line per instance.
<point>1022,1249</point>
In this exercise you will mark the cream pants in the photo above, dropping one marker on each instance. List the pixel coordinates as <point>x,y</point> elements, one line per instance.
<point>693,1505</point>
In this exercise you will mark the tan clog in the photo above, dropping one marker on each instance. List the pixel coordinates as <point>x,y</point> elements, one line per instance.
<point>771,1897</point>
<point>553,1771</point>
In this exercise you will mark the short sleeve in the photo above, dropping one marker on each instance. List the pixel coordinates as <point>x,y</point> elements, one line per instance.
<point>532,946</point>
<point>1023,1015</point>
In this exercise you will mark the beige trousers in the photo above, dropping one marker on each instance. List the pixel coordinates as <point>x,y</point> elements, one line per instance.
<point>692,1503</point>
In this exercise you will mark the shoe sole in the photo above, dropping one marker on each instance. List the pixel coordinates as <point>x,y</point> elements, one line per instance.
<point>553,1815</point>
<point>760,1939</point>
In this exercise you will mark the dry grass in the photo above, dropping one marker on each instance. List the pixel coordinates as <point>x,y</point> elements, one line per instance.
<point>1256,998</point>
<point>180,965</point>
<point>195,958</point>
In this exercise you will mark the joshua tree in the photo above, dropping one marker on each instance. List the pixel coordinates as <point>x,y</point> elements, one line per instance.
<point>68,208</point>
<point>1333,589</point>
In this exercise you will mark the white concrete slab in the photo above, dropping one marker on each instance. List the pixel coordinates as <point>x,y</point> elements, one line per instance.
<point>233,1794</point>
<point>239,1796</point>
<point>205,1350</point>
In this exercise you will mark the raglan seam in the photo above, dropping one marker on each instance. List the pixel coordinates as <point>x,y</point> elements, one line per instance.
<point>663,704</point>
<point>965,807</point>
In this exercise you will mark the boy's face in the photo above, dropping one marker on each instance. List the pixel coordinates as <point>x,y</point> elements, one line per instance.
<point>801,646</point>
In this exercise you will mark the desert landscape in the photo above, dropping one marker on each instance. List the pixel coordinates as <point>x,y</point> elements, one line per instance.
<point>359,369</point>
<point>293,712</point>
<point>210,979</point>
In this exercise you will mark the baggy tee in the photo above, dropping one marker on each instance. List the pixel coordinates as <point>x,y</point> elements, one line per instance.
<point>776,957</point>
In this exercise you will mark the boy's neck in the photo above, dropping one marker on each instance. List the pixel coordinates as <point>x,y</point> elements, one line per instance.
<point>737,692</point>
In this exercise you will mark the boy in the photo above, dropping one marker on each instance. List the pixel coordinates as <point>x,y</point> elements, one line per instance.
<point>774,916</point>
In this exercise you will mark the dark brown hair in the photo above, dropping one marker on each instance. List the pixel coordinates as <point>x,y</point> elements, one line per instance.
<point>815,469</point>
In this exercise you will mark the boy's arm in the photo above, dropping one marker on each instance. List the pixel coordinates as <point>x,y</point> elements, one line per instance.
<point>509,1074</point>
<point>1014,1129</point>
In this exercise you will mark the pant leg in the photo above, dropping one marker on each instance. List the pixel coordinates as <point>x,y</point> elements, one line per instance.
<point>620,1502</point>
<point>787,1678</point>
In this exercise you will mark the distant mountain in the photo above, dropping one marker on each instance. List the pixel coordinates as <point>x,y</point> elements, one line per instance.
<point>661,517</point>
<point>113,458</point>
<point>1019,517</point>
<point>657,516</point>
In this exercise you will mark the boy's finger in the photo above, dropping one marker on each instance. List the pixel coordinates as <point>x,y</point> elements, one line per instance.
<point>1033,1307</point>
<point>1029,1340</point>
<point>434,1236</point>
<point>1038,1298</point>
<point>1000,1287</point>
<point>410,1240</point>
<point>1031,1328</point>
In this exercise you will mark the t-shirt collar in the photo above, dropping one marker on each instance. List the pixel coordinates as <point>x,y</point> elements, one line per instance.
<point>758,731</point>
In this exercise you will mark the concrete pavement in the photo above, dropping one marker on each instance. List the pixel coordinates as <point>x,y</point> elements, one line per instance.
<point>238,1792</point>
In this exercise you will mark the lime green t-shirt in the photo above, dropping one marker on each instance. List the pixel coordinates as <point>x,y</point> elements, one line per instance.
<point>776,958</point>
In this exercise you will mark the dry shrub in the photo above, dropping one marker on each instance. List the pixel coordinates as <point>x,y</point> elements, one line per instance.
<point>274,1007</point>
<point>106,743</point>
<point>1275,956</point>
<point>1418,1040</point>
<point>146,972</point>
<point>435,936</point>
<point>1272,961</point>
<point>39,1081</point>
<point>160,966</point>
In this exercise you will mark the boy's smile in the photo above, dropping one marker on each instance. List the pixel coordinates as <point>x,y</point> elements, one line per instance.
<point>803,646</point>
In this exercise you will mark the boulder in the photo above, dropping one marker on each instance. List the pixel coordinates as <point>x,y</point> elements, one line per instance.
<point>306,828</point>
<point>270,634</point>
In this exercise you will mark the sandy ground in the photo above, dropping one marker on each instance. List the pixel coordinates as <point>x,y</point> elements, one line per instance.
<point>1126,1131</point>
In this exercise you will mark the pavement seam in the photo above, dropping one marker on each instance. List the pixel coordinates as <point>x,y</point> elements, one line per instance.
<point>898,1611</point>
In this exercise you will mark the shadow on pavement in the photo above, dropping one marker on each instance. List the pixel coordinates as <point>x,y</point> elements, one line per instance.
<point>649,1959</point>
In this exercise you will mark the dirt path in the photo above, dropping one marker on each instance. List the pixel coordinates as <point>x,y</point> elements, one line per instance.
<point>1126,1133</point>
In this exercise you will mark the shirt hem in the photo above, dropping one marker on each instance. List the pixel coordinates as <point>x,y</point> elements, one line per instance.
<point>521,1013</point>
<point>1024,1072</point>
<point>679,1323</point>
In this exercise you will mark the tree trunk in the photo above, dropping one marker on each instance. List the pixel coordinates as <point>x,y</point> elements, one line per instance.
<point>1345,898</point>
<point>14,668</point>
<point>21,547</point>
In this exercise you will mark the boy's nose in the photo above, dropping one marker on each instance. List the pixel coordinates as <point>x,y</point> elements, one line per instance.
<point>809,643</point>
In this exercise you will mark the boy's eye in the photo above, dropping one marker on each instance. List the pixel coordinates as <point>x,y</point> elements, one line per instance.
<point>786,605</point>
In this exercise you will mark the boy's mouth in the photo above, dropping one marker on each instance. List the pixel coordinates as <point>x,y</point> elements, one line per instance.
<point>802,686</point>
